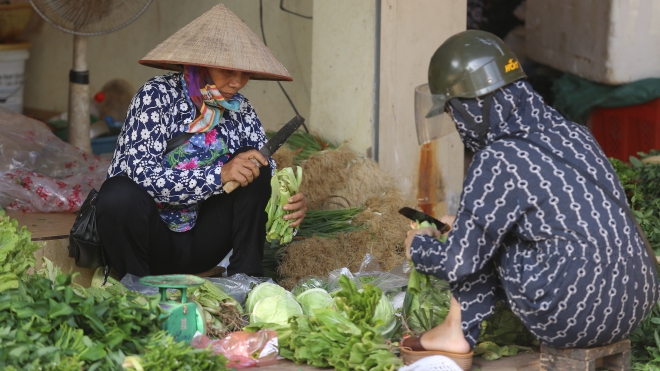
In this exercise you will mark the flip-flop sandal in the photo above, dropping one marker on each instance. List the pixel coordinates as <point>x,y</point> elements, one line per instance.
<point>412,350</point>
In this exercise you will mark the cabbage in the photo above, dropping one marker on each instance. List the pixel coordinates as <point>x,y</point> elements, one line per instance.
<point>314,299</point>
<point>275,309</point>
<point>385,312</point>
<point>262,291</point>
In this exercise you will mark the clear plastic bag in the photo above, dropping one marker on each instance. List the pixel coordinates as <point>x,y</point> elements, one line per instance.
<point>389,282</point>
<point>238,285</point>
<point>243,349</point>
<point>133,283</point>
<point>40,172</point>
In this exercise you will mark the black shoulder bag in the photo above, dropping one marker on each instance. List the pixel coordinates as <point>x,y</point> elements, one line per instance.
<point>84,243</point>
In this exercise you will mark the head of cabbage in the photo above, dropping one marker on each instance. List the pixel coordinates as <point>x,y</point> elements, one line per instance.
<point>316,298</point>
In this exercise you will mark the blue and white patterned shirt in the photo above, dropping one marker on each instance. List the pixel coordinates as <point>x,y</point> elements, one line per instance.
<point>160,111</point>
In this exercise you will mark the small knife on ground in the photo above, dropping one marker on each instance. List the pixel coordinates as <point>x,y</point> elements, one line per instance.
<point>418,216</point>
<point>271,146</point>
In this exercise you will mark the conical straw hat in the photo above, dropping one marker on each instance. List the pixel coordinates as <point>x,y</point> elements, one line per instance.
<point>218,38</point>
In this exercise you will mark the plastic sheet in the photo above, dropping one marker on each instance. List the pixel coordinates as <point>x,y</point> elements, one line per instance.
<point>243,349</point>
<point>40,172</point>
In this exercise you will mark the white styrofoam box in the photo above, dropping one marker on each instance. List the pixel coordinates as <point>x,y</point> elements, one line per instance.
<point>607,41</point>
<point>12,69</point>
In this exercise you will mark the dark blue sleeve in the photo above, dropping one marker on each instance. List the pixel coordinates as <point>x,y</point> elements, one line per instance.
<point>488,212</point>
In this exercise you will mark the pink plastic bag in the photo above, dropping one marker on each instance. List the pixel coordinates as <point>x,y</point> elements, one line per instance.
<point>243,349</point>
<point>40,172</point>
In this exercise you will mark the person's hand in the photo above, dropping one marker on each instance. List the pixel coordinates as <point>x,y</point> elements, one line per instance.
<point>428,231</point>
<point>298,205</point>
<point>448,219</point>
<point>243,168</point>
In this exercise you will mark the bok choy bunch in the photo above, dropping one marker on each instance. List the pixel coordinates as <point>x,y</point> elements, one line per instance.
<point>284,184</point>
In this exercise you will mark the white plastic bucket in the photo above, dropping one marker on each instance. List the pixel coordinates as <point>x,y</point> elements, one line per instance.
<point>12,71</point>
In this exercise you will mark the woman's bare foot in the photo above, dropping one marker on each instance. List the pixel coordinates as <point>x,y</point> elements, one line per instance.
<point>447,336</point>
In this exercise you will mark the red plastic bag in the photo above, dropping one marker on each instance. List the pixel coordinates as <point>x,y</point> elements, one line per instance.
<point>243,349</point>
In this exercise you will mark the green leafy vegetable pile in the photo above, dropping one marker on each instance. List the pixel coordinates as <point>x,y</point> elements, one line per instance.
<point>284,184</point>
<point>641,182</point>
<point>346,339</point>
<point>428,308</point>
<point>16,252</point>
<point>45,325</point>
<point>503,334</point>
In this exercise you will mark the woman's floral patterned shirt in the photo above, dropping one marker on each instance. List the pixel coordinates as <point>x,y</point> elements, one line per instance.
<point>180,181</point>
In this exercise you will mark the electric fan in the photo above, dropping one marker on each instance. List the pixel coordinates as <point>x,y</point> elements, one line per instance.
<point>84,18</point>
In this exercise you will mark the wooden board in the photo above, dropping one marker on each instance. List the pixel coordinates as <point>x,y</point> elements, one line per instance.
<point>520,362</point>
<point>45,226</point>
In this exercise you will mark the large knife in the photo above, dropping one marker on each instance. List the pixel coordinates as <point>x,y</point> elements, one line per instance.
<point>418,216</point>
<point>271,146</point>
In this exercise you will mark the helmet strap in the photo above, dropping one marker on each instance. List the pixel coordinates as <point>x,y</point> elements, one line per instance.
<point>479,128</point>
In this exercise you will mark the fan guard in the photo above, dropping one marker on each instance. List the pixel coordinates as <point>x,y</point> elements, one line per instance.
<point>90,17</point>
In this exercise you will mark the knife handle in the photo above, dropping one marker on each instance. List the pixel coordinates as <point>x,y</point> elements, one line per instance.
<point>231,185</point>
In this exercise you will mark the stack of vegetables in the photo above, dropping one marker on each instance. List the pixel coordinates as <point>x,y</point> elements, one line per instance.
<point>346,336</point>
<point>641,182</point>
<point>54,325</point>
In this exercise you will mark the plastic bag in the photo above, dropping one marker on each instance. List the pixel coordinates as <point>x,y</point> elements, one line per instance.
<point>133,283</point>
<point>432,363</point>
<point>238,285</point>
<point>389,282</point>
<point>40,172</point>
<point>310,282</point>
<point>243,349</point>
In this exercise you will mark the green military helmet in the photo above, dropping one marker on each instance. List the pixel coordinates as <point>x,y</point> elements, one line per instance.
<point>469,64</point>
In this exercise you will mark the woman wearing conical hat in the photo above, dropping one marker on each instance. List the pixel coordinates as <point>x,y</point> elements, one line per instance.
<point>164,211</point>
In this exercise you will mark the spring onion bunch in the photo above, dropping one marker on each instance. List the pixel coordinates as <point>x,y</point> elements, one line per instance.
<point>328,223</point>
<point>284,184</point>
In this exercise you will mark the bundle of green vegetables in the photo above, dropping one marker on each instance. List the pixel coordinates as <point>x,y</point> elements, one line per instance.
<point>16,253</point>
<point>328,223</point>
<point>284,184</point>
<point>428,307</point>
<point>45,325</point>
<point>222,313</point>
<point>306,145</point>
<point>503,334</point>
<point>346,338</point>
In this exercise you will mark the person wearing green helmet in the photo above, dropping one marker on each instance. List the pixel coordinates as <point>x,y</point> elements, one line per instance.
<point>543,222</point>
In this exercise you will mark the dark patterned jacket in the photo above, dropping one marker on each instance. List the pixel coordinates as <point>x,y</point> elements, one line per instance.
<point>522,207</point>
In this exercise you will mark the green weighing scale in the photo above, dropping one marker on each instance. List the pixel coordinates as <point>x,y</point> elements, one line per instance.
<point>183,318</point>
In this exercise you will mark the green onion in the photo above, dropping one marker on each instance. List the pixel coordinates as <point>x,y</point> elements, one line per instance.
<point>328,223</point>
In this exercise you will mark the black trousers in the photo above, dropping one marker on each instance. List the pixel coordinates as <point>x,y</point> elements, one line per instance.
<point>138,242</point>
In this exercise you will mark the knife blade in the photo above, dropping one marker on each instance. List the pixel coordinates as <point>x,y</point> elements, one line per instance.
<point>418,216</point>
<point>271,146</point>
